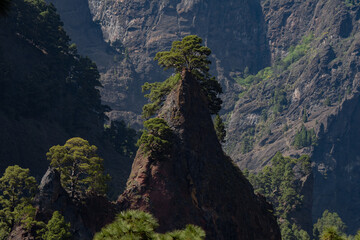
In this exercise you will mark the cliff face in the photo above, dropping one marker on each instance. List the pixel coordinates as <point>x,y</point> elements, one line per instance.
<point>197,183</point>
<point>137,30</point>
<point>320,90</point>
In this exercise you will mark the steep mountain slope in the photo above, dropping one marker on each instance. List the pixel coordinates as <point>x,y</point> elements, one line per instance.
<point>196,183</point>
<point>316,85</point>
<point>49,92</point>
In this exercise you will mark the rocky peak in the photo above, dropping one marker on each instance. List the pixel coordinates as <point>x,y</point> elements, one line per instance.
<point>197,183</point>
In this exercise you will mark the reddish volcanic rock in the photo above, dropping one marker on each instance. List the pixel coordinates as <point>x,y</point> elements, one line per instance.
<point>197,183</point>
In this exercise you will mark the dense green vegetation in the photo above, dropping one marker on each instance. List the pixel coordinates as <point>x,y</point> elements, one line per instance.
<point>56,82</point>
<point>57,228</point>
<point>156,139</point>
<point>158,93</point>
<point>247,140</point>
<point>135,224</point>
<point>122,137</point>
<point>328,220</point>
<point>219,128</point>
<point>279,101</point>
<point>351,3</point>
<point>279,185</point>
<point>17,190</point>
<point>304,138</point>
<point>81,169</point>
<point>295,53</point>
<point>187,54</point>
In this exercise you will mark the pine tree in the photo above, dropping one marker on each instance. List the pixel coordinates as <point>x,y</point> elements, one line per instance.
<point>57,228</point>
<point>81,169</point>
<point>219,128</point>
<point>17,189</point>
<point>135,224</point>
<point>187,54</point>
<point>328,220</point>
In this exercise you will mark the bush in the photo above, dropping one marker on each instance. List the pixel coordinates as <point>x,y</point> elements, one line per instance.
<point>158,93</point>
<point>156,139</point>
<point>304,138</point>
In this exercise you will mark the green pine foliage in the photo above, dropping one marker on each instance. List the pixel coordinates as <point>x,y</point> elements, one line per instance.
<point>138,225</point>
<point>122,137</point>
<point>331,233</point>
<point>279,100</point>
<point>156,139</point>
<point>292,232</point>
<point>351,3</point>
<point>279,185</point>
<point>57,228</point>
<point>304,138</point>
<point>158,93</point>
<point>247,140</point>
<point>81,169</point>
<point>219,128</point>
<point>188,54</point>
<point>328,220</point>
<point>17,190</point>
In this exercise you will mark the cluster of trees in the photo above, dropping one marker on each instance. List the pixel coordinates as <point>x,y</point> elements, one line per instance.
<point>58,83</point>
<point>156,139</point>
<point>185,55</point>
<point>17,190</point>
<point>135,224</point>
<point>82,174</point>
<point>279,185</point>
<point>304,137</point>
<point>81,169</point>
<point>331,227</point>
<point>122,137</point>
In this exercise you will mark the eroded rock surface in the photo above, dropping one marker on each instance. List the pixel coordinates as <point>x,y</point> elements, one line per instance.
<point>197,183</point>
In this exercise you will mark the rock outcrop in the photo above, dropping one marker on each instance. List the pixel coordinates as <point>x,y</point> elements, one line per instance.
<point>86,217</point>
<point>197,183</point>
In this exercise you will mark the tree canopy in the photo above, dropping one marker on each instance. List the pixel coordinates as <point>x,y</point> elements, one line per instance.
<point>156,138</point>
<point>135,224</point>
<point>81,169</point>
<point>17,190</point>
<point>219,129</point>
<point>328,220</point>
<point>187,54</point>
<point>57,228</point>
